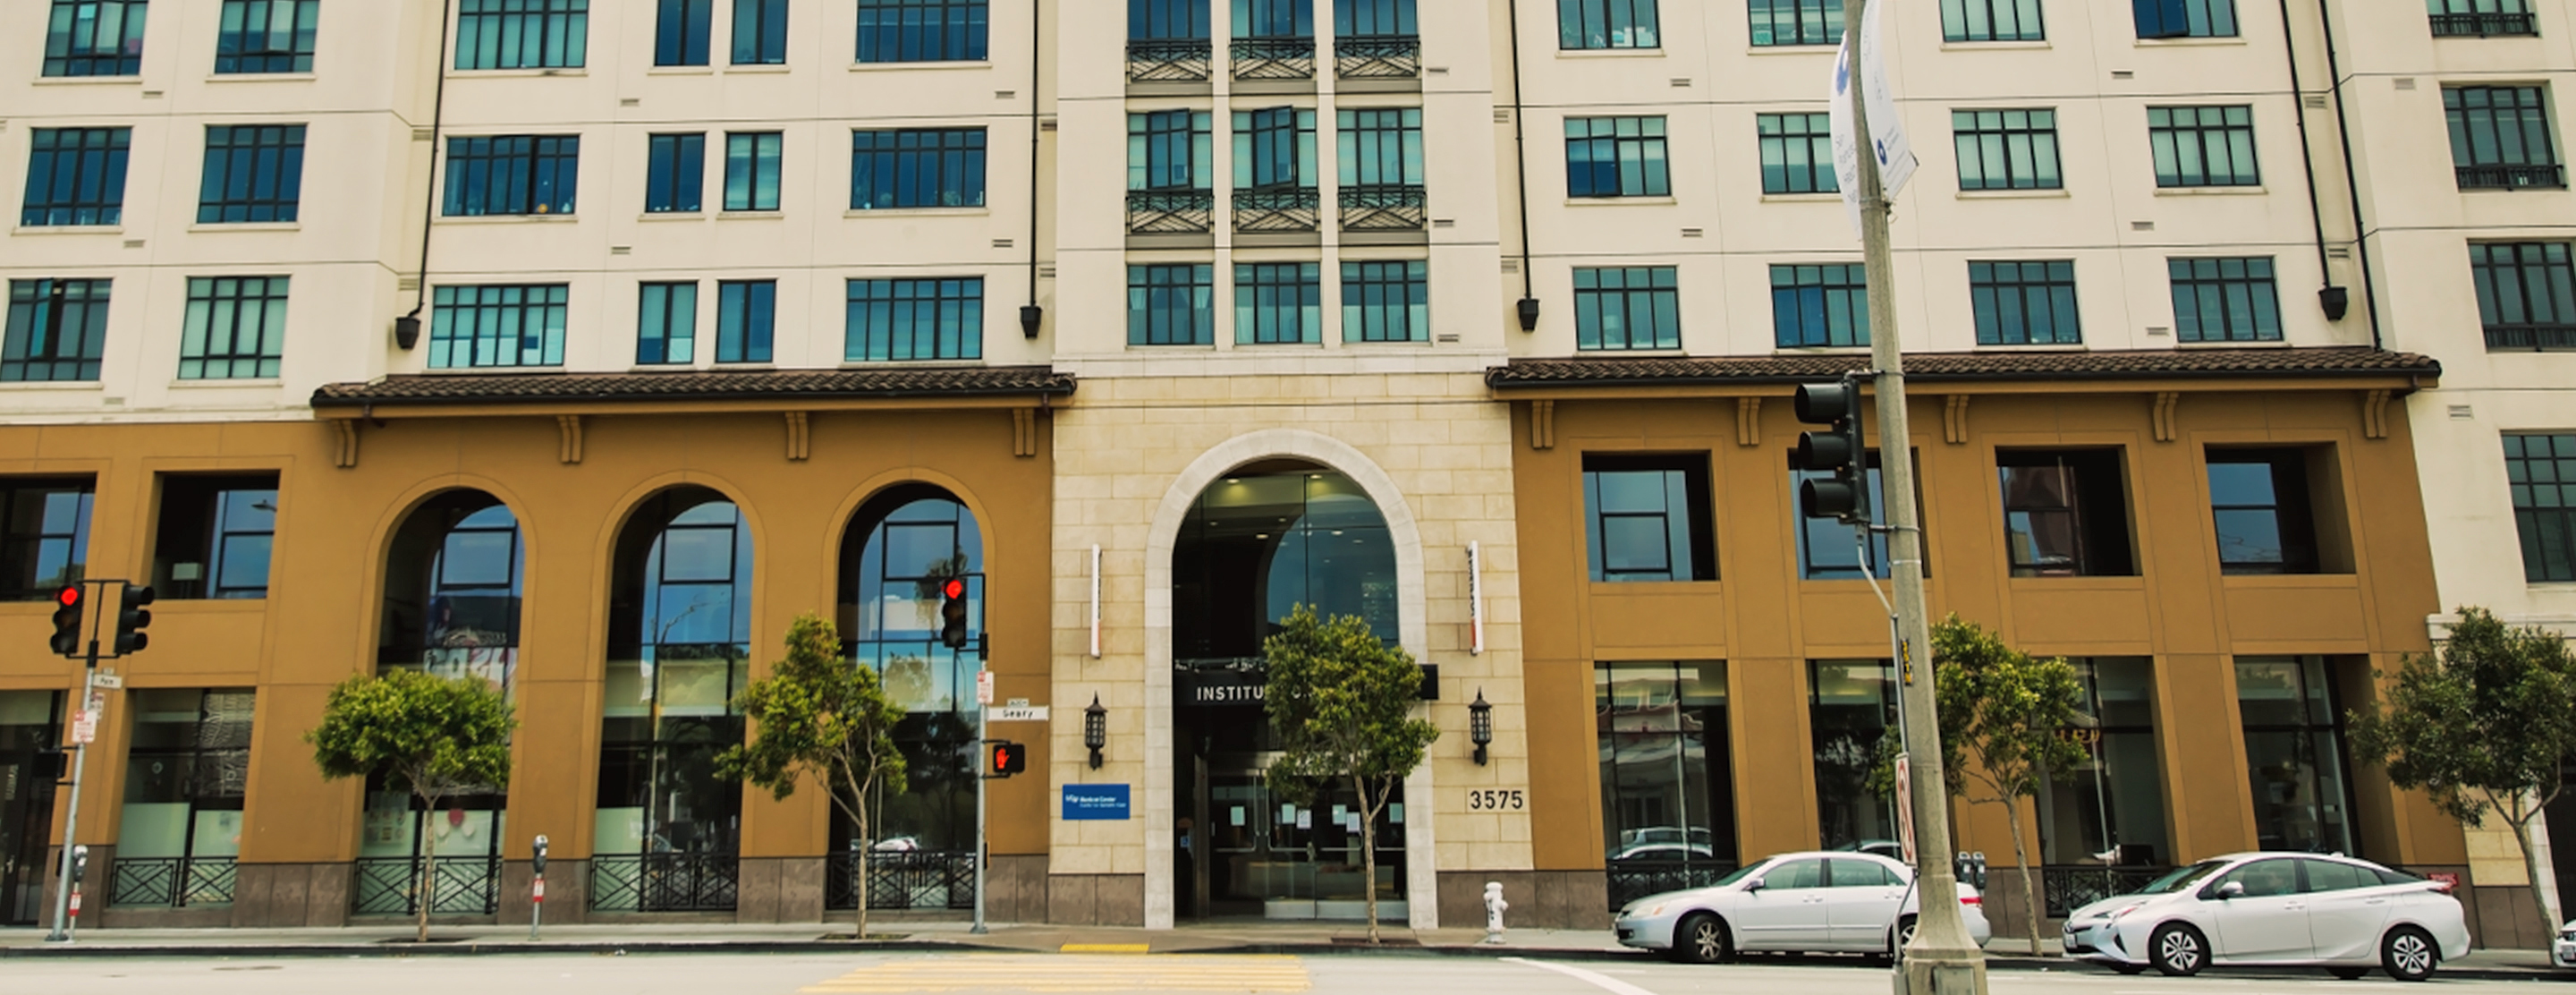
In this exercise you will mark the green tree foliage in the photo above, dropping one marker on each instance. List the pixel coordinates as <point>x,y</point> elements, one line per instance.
<point>821,716</point>
<point>1342,702</point>
<point>2486,725</point>
<point>429,736</point>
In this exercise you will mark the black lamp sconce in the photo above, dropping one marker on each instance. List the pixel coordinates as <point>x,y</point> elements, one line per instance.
<point>1095,729</point>
<point>1529,314</point>
<point>1480,725</point>
<point>1030,316</point>
<point>407,331</point>
<point>2335,301</point>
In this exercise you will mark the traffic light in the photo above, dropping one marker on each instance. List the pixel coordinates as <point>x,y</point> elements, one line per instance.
<point>131,618</point>
<point>67,620</point>
<point>952,613</point>
<point>1008,757</point>
<point>1838,450</point>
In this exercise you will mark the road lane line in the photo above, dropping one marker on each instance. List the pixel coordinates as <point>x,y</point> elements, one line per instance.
<point>1593,978</point>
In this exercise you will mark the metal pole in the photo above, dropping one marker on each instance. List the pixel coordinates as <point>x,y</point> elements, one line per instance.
<point>983,722</point>
<point>71,819</point>
<point>1942,959</point>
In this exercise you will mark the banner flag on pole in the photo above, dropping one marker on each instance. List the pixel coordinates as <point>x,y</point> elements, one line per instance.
<point>1888,142</point>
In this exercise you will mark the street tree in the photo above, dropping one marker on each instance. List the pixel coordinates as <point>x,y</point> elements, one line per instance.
<point>2486,724</point>
<point>821,716</point>
<point>1342,702</point>
<point>432,737</point>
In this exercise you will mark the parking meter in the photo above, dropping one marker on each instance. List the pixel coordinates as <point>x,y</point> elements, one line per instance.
<point>80,863</point>
<point>540,860</point>
<point>537,885</point>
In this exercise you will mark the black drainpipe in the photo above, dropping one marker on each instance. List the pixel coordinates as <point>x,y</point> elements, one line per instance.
<point>407,327</point>
<point>2351,180</point>
<point>1520,171</point>
<point>1031,315</point>
<point>2333,299</point>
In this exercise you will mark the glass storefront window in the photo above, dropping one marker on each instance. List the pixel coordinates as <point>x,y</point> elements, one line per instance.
<point>2110,810</point>
<point>30,722</point>
<point>1667,783</point>
<point>186,774</point>
<point>1853,704</point>
<point>2295,753</point>
<point>901,549</point>
<point>679,650</point>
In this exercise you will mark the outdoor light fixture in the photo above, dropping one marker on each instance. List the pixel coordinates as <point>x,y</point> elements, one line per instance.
<point>1529,314</point>
<point>1030,316</point>
<point>1095,729</point>
<point>1480,725</point>
<point>2335,301</point>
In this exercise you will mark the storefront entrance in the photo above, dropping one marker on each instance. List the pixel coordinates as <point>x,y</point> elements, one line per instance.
<point>28,721</point>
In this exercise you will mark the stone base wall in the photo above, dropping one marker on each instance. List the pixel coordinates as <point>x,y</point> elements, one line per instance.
<point>1095,899</point>
<point>567,891</point>
<point>1015,888</point>
<point>1539,899</point>
<point>779,889</point>
<point>2501,918</point>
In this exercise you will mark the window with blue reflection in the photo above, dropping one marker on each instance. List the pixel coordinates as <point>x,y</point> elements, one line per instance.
<point>933,318</point>
<point>522,34</point>
<point>1167,19</point>
<point>253,173</point>
<point>1647,517</point>
<point>666,323</point>
<point>759,32</point>
<point>751,170</point>
<point>675,169</point>
<point>746,314</point>
<point>1826,547</point>
<point>452,589</point>
<point>901,548</point>
<point>916,167</point>
<point>680,32</point>
<point>679,615</point>
<point>266,36</point>
<point>923,30</point>
<point>75,176</point>
<point>94,38</point>
<point>2259,504</point>
<point>1274,18</point>
<point>512,174</point>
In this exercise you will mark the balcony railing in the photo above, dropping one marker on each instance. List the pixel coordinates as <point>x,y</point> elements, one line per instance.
<point>2065,889</point>
<point>1170,212</point>
<point>1294,209</point>
<point>1168,60</point>
<point>914,879</point>
<point>2485,25</point>
<point>1274,58</point>
<point>1377,56</point>
<point>171,882</point>
<point>466,886</point>
<point>1384,207</point>
<point>2536,338</point>
<point>664,882</point>
<point>2512,177</point>
<point>1631,880</point>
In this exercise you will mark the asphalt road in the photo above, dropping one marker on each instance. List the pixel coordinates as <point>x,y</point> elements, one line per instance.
<point>752,974</point>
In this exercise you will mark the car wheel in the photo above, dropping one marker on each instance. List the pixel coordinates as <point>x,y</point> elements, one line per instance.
<point>1899,937</point>
<point>1702,939</point>
<point>2408,954</point>
<point>2348,973</point>
<point>2178,950</point>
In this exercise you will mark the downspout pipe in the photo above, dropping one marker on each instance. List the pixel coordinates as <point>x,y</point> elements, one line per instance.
<point>407,327</point>
<point>1528,308</point>
<point>1031,315</point>
<point>2351,177</point>
<point>2332,299</point>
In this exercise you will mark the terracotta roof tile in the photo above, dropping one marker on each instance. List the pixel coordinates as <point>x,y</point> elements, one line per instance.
<point>719,385</point>
<point>2189,364</point>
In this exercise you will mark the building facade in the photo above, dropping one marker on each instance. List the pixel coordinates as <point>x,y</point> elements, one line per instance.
<point>1459,318</point>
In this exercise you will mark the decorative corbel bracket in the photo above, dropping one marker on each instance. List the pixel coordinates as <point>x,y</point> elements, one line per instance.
<point>2166,402</point>
<point>1542,424</point>
<point>570,426</point>
<point>1748,421</point>
<point>1954,420</point>
<point>800,438</point>
<point>2374,414</point>
<point>345,454</point>
<point>1024,432</point>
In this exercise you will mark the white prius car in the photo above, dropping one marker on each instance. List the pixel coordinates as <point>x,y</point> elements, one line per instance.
<point>1839,901</point>
<point>2562,951</point>
<point>2344,915</point>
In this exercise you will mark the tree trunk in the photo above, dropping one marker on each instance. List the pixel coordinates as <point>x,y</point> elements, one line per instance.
<point>859,874</point>
<point>427,893</point>
<point>2544,880</point>
<point>2031,910</point>
<point>1368,854</point>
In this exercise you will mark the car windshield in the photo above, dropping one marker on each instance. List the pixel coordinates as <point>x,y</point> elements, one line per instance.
<point>1737,874</point>
<point>2181,878</point>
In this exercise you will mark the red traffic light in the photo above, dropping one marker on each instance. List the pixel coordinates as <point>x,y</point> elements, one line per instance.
<point>955,588</point>
<point>68,597</point>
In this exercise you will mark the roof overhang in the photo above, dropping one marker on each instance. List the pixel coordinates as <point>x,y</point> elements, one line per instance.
<point>2222,369</point>
<point>442,395</point>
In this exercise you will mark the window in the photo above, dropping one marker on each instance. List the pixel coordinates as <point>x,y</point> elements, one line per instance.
<point>2185,18</point>
<point>2295,752</point>
<point>1381,169</point>
<point>936,318</point>
<point>1647,518</point>
<point>76,176</point>
<point>44,536</point>
<point>498,325</point>
<point>680,32</point>
<point>759,32</point>
<point>1826,549</point>
<point>666,323</point>
<point>56,330</point>
<point>2006,150</point>
<point>512,174</point>
<point>1631,307</point>
<point>2019,303</point>
<point>1582,24</point>
<point>2500,138</point>
<point>2259,502</point>
<point>674,173</point>
<point>1992,20</point>
<point>1387,19</point>
<point>1851,704</point>
<point>1615,157</point>
<point>453,578</point>
<point>253,173</point>
<point>94,38</point>
<point>522,34</point>
<point>2225,300</point>
<point>746,319</point>
<point>1278,302</point>
<point>1386,301</point>
<point>904,543</point>
<point>2526,294</point>
<point>2482,18</point>
<point>2541,470</point>
<point>1819,305</point>
<point>926,30</point>
<point>2065,513</point>
<point>916,168</point>
<point>187,771</point>
<point>236,328</point>
<point>2203,146</point>
<point>1274,148</point>
<point>1167,19</point>
<point>214,536</point>
<point>1797,153</point>
<point>1171,305</point>
<point>266,36</point>
<point>1169,150</point>
<point>679,611</point>
<point>751,171</point>
<point>1797,22</point>
<point>1667,774</point>
<point>2114,801</point>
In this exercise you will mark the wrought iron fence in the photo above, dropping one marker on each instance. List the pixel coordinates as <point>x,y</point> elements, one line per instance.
<point>2534,337</point>
<point>2545,177</point>
<point>1168,60</point>
<point>664,882</point>
<point>1170,212</point>
<point>1291,210</point>
<point>2065,889</point>
<point>2484,25</point>
<point>171,882</point>
<point>389,885</point>
<point>916,879</point>
<point>1377,56</point>
<point>1384,207</point>
<point>1274,58</point>
<point>1631,880</point>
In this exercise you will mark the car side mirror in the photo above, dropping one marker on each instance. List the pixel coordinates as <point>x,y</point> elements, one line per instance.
<point>2232,889</point>
<point>1753,884</point>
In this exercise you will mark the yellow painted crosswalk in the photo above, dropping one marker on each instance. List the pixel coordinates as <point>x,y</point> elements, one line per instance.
<point>1087,973</point>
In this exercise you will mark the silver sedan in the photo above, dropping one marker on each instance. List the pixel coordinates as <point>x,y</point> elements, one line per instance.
<point>2344,915</point>
<point>1817,901</point>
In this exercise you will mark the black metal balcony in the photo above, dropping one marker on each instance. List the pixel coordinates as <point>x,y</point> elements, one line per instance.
<point>911,879</point>
<point>1384,207</point>
<point>2536,338</point>
<point>664,882</point>
<point>2512,177</point>
<point>467,886</point>
<point>1170,212</point>
<point>2485,25</point>
<point>1168,60</point>
<point>1377,56</point>
<point>2065,889</point>
<point>171,882</point>
<point>1287,209</point>
<point>1291,57</point>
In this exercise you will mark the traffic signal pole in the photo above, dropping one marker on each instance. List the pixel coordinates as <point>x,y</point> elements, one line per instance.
<point>63,922</point>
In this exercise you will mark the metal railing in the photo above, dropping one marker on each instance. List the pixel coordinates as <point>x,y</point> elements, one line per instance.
<point>1290,210</point>
<point>2512,177</point>
<point>1168,60</point>
<point>914,879</point>
<point>466,886</point>
<point>1170,212</point>
<point>664,882</point>
<point>2485,25</point>
<point>1377,56</point>
<point>1384,207</point>
<point>171,882</point>
<point>2064,889</point>
<point>1291,57</point>
<point>1631,880</point>
<point>2533,337</point>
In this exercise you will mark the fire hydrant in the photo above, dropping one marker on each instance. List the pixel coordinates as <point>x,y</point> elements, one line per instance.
<point>1494,906</point>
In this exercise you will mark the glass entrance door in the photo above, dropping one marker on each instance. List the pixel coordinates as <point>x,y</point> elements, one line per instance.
<point>1260,855</point>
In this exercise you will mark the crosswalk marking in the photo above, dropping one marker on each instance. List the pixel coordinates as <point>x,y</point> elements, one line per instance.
<point>1103,948</point>
<point>1088,973</point>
